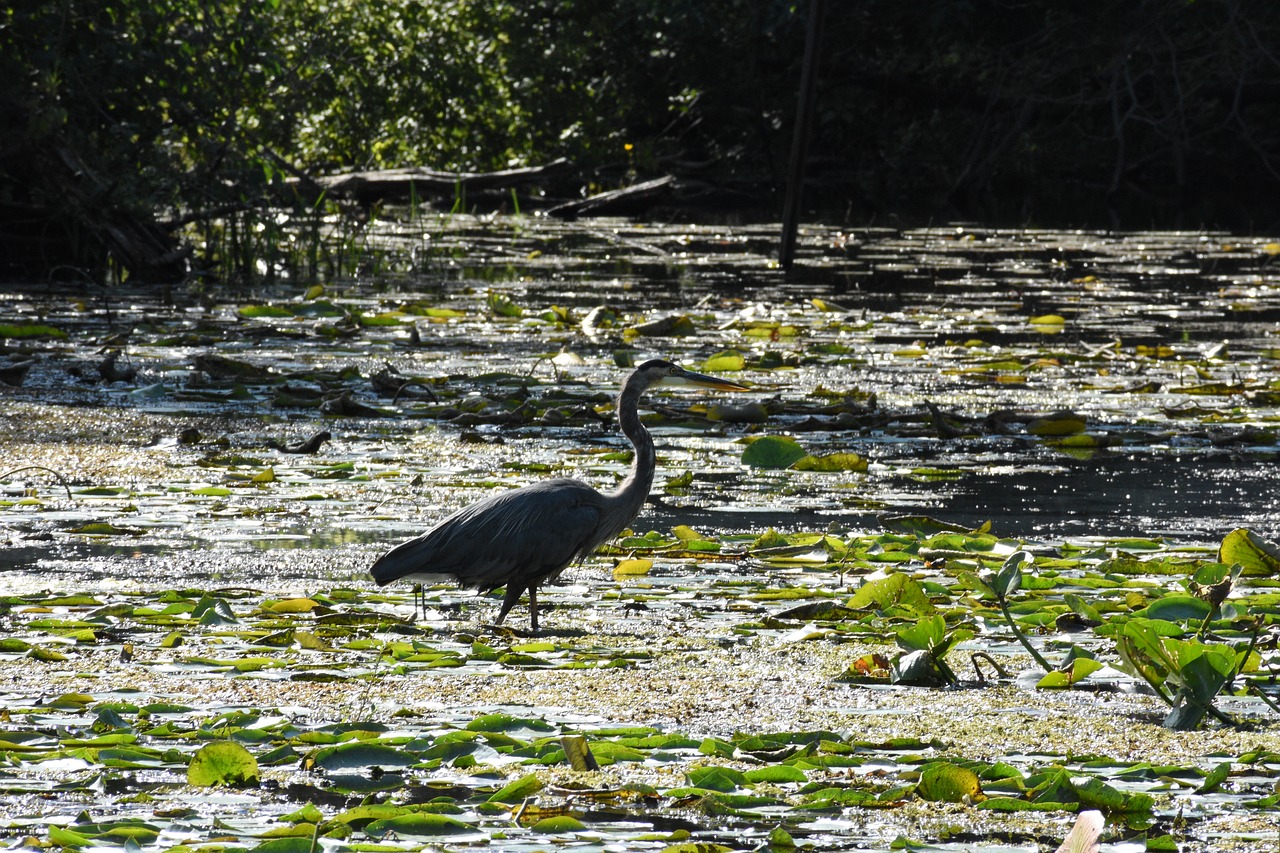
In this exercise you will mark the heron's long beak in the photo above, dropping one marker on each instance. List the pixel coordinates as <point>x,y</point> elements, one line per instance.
<point>688,377</point>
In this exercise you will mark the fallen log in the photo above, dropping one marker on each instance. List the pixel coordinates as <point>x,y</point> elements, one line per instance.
<point>617,201</point>
<point>368,187</point>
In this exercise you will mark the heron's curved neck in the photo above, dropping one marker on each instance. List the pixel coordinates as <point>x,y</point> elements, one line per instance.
<point>631,494</point>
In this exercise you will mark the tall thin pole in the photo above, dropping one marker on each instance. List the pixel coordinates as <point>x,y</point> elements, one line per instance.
<point>803,132</point>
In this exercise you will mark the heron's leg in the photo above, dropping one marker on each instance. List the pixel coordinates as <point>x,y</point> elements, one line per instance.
<point>533,608</point>
<point>510,600</point>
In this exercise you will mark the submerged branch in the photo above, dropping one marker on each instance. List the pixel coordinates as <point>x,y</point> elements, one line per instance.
<point>61,479</point>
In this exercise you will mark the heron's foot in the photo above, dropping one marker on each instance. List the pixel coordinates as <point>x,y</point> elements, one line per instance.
<point>508,630</point>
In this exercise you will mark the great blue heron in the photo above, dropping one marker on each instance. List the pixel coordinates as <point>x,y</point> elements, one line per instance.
<point>521,538</point>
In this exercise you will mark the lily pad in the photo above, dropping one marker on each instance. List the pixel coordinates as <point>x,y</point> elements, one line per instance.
<point>223,763</point>
<point>1255,555</point>
<point>942,781</point>
<point>418,824</point>
<point>772,451</point>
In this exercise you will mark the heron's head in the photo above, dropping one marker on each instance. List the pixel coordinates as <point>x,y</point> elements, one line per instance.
<point>661,372</point>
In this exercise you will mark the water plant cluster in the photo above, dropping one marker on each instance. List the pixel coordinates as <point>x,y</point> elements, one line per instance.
<point>378,774</point>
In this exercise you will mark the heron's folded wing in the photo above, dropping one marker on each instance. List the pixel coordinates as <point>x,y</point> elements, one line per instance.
<point>526,533</point>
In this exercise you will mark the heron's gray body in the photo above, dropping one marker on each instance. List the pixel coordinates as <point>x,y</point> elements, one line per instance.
<point>534,532</point>
<point>522,538</point>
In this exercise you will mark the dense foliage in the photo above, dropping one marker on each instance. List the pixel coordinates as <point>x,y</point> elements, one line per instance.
<point>125,112</point>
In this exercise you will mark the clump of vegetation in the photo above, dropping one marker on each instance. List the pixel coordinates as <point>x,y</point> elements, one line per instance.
<point>130,120</point>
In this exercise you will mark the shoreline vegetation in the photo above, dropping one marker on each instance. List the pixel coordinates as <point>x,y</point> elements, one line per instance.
<point>124,160</point>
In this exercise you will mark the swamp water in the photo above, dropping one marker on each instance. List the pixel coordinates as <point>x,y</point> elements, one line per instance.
<point>173,578</point>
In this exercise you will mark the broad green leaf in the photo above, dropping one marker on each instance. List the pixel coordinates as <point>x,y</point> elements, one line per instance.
<point>370,812</point>
<point>609,752</point>
<point>211,491</point>
<point>213,611</point>
<point>1082,607</point>
<point>578,753</point>
<point>222,763</point>
<point>517,790</point>
<point>944,782</point>
<point>502,305</point>
<point>969,580</point>
<point>308,814</point>
<point>918,668</point>
<point>1057,424</point>
<point>831,462</point>
<point>418,824</point>
<point>772,451</point>
<point>1213,781</point>
<point>925,635</point>
<point>558,825</point>
<point>102,528</point>
<point>889,593</point>
<point>292,844</point>
<point>294,605</point>
<point>1177,608</point>
<point>30,330</point>
<point>776,774</point>
<point>1094,793</point>
<point>1148,641</point>
<point>717,778</point>
<point>726,361</point>
<point>632,568</point>
<point>1255,555</point>
<point>1009,579</point>
<point>780,840</point>
<point>318,308</point>
<point>1081,668</point>
<point>253,312</point>
<point>385,318</point>
<point>67,838</point>
<point>358,755</point>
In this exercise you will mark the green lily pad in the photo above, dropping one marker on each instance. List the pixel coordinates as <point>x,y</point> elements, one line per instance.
<point>942,781</point>
<point>30,330</point>
<point>727,361</point>
<point>223,763</point>
<point>418,823</point>
<point>831,462</point>
<point>1255,555</point>
<point>776,774</point>
<point>724,779</point>
<point>558,825</point>
<point>517,790</point>
<point>772,451</point>
<point>1177,608</point>
<point>352,755</point>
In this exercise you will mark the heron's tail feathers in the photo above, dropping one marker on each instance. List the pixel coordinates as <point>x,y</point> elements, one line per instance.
<point>410,560</point>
